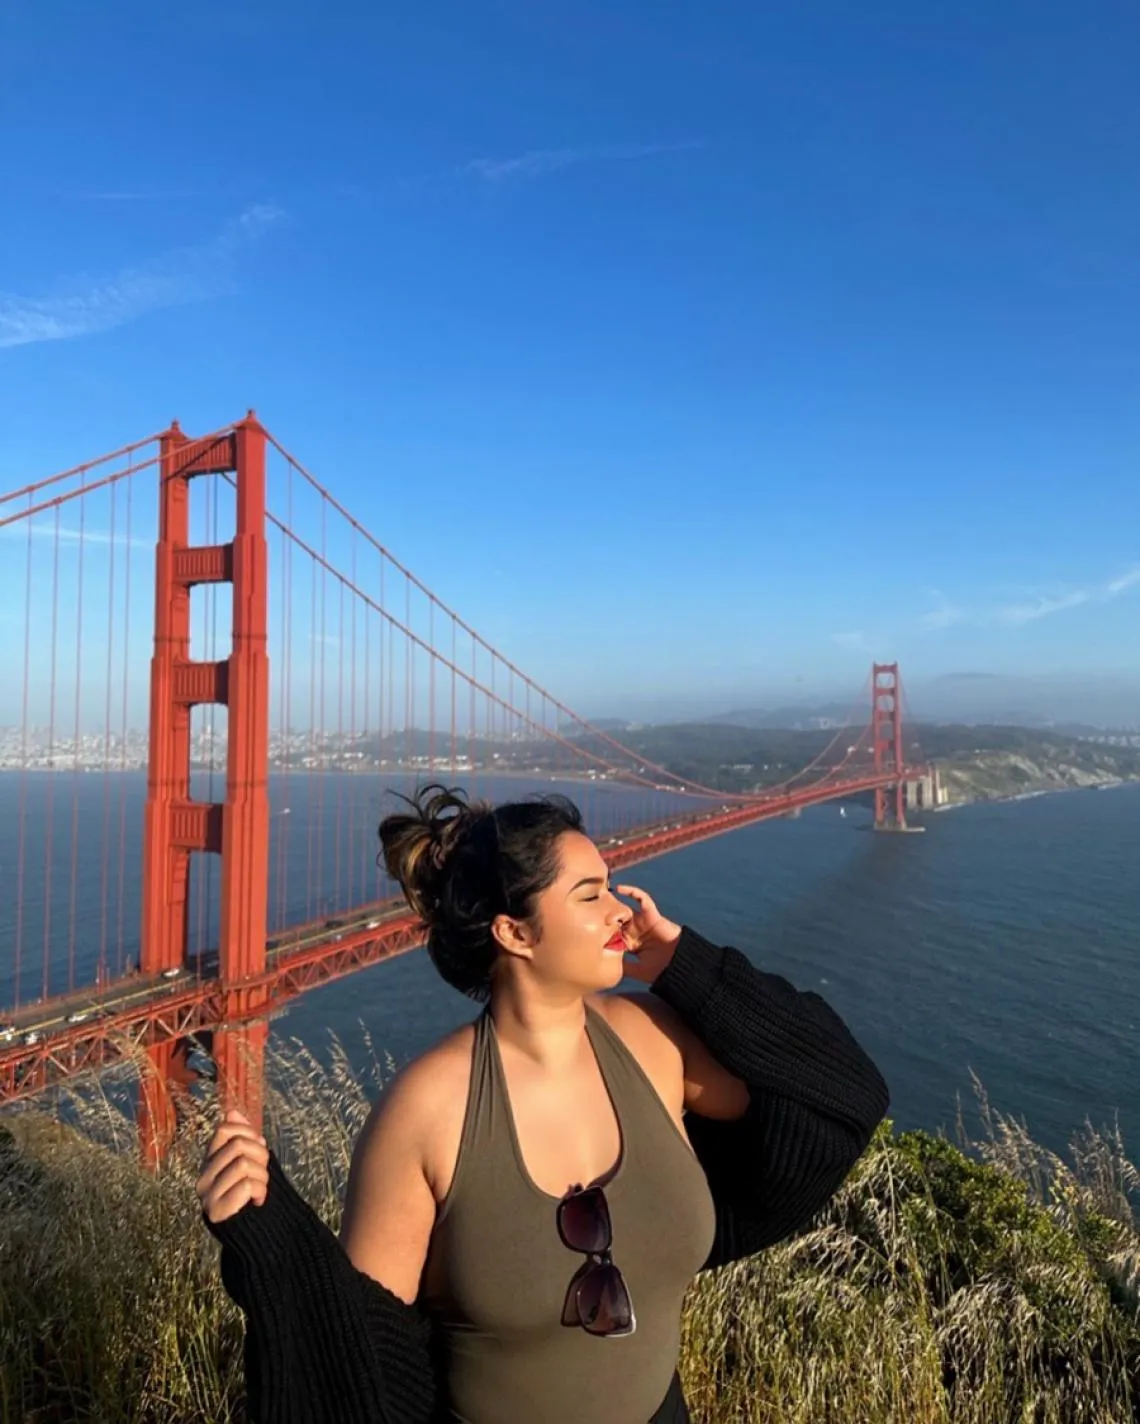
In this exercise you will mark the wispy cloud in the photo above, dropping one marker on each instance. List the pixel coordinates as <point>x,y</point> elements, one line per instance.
<point>1028,609</point>
<point>1044,606</point>
<point>540,161</point>
<point>1130,579</point>
<point>944,614</point>
<point>43,529</point>
<point>85,305</point>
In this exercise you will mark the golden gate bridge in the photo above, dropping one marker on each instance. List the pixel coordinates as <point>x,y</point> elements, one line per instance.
<point>146,920</point>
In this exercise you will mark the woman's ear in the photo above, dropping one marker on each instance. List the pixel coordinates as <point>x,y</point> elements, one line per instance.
<point>513,936</point>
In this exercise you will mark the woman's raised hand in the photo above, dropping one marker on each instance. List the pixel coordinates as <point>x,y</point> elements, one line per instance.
<point>649,937</point>
<point>235,1171</point>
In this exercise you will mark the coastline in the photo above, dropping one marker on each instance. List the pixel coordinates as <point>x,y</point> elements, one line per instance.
<point>1004,799</point>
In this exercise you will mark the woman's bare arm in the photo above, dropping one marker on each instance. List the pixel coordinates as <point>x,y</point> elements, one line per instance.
<point>389,1208</point>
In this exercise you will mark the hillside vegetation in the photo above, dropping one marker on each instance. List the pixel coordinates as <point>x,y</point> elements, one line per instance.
<point>976,763</point>
<point>942,1286</point>
<point>986,763</point>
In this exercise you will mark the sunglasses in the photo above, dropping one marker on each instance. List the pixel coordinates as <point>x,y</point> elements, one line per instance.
<point>598,1298</point>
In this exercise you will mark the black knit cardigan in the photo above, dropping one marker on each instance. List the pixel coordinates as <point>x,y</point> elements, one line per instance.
<point>326,1344</point>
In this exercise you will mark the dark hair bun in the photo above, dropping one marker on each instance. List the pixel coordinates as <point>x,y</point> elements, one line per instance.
<point>416,844</point>
<point>461,863</point>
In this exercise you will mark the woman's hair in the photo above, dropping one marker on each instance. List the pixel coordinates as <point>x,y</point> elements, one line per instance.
<point>461,863</point>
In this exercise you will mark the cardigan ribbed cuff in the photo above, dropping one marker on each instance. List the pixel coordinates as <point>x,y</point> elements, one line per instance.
<point>266,1233</point>
<point>692,976</point>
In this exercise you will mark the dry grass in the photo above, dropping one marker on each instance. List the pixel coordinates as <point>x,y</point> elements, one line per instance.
<point>999,1287</point>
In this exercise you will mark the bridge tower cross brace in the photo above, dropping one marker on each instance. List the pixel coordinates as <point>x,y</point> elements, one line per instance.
<point>886,732</point>
<point>176,826</point>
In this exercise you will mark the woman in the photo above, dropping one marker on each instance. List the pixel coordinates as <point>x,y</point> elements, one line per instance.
<point>529,1200</point>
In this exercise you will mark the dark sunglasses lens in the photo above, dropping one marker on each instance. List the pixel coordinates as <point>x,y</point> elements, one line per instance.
<point>603,1302</point>
<point>584,1221</point>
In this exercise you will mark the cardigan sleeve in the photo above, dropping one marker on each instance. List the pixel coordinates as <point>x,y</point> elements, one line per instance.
<point>815,1095</point>
<point>323,1341</point>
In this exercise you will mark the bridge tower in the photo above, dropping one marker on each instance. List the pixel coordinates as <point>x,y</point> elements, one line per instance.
<point>177,826</point>
<point>886,732</point>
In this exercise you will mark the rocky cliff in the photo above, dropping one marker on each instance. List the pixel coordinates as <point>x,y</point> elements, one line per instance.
<point>986,775</point>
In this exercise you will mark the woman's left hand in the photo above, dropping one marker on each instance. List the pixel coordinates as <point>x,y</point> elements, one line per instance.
<point>649,937</point>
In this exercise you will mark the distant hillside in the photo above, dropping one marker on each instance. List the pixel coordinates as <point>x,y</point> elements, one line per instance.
<point>995,763</point>
<point>799,718</point>
<point>603,724</point>
<point>976,762</point>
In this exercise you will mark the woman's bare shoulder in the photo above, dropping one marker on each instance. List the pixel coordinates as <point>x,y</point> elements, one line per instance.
<point>638,1018</point>
<point>431,1081</point>
<point>425,1104</point>
<point>646,1029</point>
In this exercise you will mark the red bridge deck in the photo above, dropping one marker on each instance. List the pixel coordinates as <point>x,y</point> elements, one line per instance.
<point>134,1013</point>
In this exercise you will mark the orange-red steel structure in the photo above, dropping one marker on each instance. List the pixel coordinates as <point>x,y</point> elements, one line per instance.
<point>886,737</point>
<point>176,826</point>
<point>153,1014</point>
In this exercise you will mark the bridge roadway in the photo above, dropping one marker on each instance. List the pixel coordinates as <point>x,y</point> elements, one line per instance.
<point>63,1037</point>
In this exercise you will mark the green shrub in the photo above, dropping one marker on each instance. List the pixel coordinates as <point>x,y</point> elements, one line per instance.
<point>995,1285</point>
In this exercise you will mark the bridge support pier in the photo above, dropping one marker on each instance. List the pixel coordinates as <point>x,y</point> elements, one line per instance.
<point>163,1091</point>
<point>239,1052</point>
<point>890,810</point>
<point>886,731</point>
<point>157,1114</point>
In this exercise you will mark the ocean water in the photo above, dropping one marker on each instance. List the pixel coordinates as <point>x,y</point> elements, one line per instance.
<point>1003,942</point>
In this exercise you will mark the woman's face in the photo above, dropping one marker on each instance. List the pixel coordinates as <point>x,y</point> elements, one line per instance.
<point>574,941</point>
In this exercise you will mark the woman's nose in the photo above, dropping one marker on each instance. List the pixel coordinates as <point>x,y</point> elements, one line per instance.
<point>620,911</point>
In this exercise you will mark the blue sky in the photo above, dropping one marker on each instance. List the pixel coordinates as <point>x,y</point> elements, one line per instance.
<point>694,353</point>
